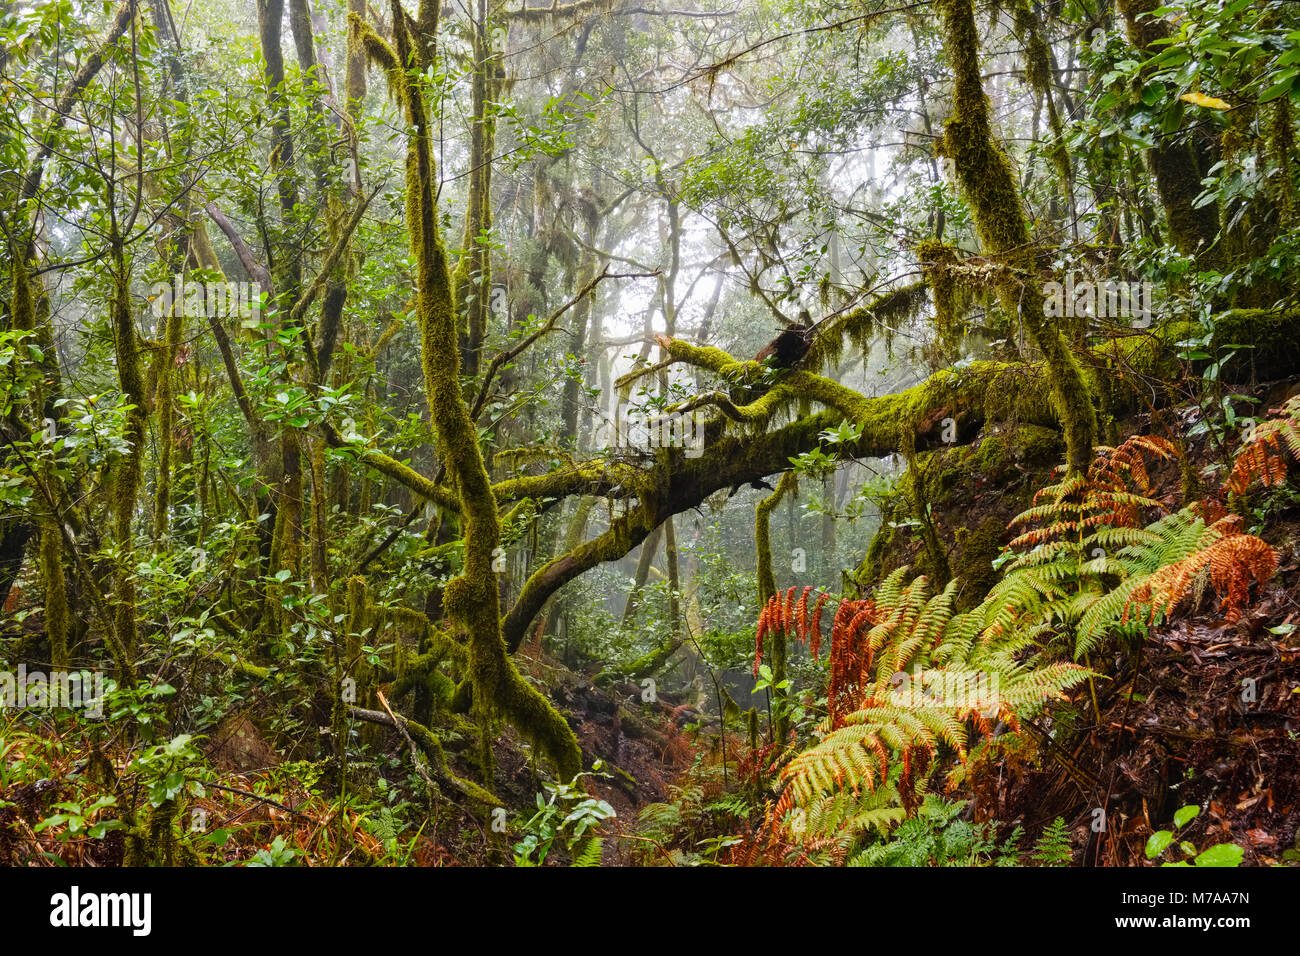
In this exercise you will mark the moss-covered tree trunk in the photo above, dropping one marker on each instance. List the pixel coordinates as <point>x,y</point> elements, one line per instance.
<point>1173,160</point>
<point>471,600</point>
<point>766,589</point>
<point>472,280</point>
<point>988,181</point>
<point>126,485</point>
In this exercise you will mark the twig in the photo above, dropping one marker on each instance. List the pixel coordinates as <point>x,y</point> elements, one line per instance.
<point>415,754</point>
<point>657,845</point>
<point>267,800</point>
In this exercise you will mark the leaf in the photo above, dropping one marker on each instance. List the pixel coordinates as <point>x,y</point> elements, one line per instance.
<point>1158,842</point>
<point>1281,87</point>
<point>1184,814</point>
<point>1153,93</point>
<point>1225,854</point>
<point>1209,102</point>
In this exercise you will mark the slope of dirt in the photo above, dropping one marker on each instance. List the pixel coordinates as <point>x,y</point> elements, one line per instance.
<point>1208,714</point>
<point>1214,720</point>
<point>640,747</point>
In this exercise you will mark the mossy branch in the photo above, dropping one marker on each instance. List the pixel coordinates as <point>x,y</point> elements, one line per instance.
<point>471,599</point>
<point>989,184</point>
<point>576,8</point>
<point>432,749</point>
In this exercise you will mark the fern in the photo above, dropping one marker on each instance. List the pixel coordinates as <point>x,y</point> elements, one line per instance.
<point>1090,574</point>
<point>911,682</point>
<point>1228,561</point>
<point>1053,847</point>
<point>1264,457</point>
<point>1182,557</point>
<point>937,836</point>
<point>736,805</point>
<point>909,678</point>
<point>590,853</point>
<point>1097,510</point>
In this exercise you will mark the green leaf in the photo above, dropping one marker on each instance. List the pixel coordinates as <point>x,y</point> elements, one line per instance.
<point>1184,814</point>
<point>1153,93</point>
<point>1281,87</point>
<point>1225,854</point>
<point>1158,842</point>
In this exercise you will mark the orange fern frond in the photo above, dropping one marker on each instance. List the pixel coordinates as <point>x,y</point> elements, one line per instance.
<point>1264,457</point>
<point>801,614</point>
<point>1229,562</point>
<point>815,637</point>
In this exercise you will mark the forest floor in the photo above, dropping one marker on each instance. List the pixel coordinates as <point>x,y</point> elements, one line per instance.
<point>1208,714</point>
<point>256,795</point>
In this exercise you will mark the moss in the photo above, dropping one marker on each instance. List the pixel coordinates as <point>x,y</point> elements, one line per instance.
<point>153,842</point>
<point>763,537</point>
<point>404,474</point>
<point>127,483</point>
<point>938,260</point>
<point>319,559</point>
<point>473,276</point>
<point>643,666</point>
<point>922,487</point>
<point>991,456</point>
<point>789,484</point>
<point>1281,141</point>
<point>50,554</point>
<point>433,749</point>
<point>471,599</point>
<point>1269,341</point>
<point>1038,71</point>
<point>1034,445</point>
<point>973,565</point>
<point>357,622</point>
<point>872,567</point>
<point>881,316</point>
<point>939,476</point>
<point>989,184</point>
<point>165,403</point>
<point>286,537</point>
<point>623,534</point>
<point>1274,336</point>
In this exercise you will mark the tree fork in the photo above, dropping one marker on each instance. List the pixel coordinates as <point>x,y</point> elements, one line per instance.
<point>471,599</point>
<point>989,183</point>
